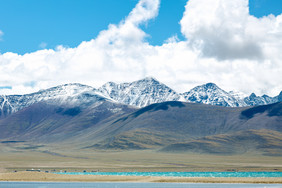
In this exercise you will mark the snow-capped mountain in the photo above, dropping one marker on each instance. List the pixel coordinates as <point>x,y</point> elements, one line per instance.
<point>139,93</point>
<point>210,93</point>
<point>254,100</point>
<point>279,97</point>
<point>147,91</point>
<point>69,94</point>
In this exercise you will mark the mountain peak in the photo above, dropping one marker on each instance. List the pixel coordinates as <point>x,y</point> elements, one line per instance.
<point>254,100</point>
<point>148,79</point>
<point>75,84</point>
<point>140,93</point>
<point>210,85</point>
<point>210,93</point>
<point>66,89</point>
<point>253,95</point>
<point>109,84</point>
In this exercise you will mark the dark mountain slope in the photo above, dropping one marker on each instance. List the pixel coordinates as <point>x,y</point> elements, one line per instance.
<point>194,120</point>
<point>271,110</point>
<point>107,125</point>
<point>45,122</point>
<point>167,122</point>
<point>263,117</point>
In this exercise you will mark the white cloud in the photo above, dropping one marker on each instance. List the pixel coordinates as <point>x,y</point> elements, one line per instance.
<point>221,29</point>
<point>172,39</point>
<point>225,31</point>
<point>224,45</point>
<point>1,35</point>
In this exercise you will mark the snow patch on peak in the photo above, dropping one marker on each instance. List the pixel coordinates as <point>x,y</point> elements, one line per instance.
<point>210,93</point>
<point>67,94</point>
<point>139,93</point>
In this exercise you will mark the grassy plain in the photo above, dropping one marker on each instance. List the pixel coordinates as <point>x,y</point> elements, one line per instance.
<point>66,158</point>
<point>22,156</point>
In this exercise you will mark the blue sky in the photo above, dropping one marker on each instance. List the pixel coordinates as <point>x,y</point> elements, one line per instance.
<point>235,44</point>
<point>31,25</point>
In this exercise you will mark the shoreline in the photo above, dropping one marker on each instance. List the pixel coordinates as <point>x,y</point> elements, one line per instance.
<point>49,177</point>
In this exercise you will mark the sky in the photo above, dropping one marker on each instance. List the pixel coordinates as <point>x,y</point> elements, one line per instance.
<point>235,44</point>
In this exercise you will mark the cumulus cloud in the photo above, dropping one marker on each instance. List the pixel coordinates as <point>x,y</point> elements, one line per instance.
<point>225,29</point>
<point>172,39</point>
<point>224,44</point>
<point>116,54</point>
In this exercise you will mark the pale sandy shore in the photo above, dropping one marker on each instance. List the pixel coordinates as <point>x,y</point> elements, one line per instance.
<point>49,177</point>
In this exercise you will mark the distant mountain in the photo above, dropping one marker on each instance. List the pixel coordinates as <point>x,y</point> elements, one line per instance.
<point>148,91</point>
<point>211,94</point>
<point>254,100</point>
<point>71,94</point>
<point>139,93</point>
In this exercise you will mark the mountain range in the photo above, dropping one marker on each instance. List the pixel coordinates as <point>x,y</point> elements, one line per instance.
<point>139,93</point>
<point>149,90</point>
<point>145,114</point>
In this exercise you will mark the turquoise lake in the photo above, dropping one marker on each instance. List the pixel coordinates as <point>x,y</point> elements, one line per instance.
<point>131,185</point>
<point>181,174</point>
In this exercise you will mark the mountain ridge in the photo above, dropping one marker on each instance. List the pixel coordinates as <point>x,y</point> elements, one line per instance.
<point>139,93</point>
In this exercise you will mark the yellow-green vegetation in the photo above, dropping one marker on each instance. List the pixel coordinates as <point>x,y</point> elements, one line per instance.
<point>21,156</point>
<point>265,142</point>
<point>64,157</point>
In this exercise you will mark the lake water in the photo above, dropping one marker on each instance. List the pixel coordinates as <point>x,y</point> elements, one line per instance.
<point>181,174</point>
<point>131,185</point>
